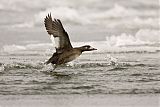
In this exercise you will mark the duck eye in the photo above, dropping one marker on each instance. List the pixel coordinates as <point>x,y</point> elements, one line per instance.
<point>86,47</point>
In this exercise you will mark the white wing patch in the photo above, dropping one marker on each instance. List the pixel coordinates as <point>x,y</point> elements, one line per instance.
<point>55,41</point>
<point>52,39</point>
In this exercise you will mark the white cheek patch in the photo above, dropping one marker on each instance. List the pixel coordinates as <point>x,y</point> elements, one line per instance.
<point>55,41</point>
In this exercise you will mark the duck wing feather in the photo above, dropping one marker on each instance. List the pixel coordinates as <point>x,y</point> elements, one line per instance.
<point>55,30</point>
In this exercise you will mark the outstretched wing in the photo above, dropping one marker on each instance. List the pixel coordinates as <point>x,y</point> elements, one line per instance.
<point>55,29</point>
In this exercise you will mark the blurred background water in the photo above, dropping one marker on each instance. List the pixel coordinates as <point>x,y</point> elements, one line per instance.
<point>22,22</point>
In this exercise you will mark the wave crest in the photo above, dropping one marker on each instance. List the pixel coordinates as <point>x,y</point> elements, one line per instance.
<point>111,17</point>
<point>142,37</point>
<point>145,40</point>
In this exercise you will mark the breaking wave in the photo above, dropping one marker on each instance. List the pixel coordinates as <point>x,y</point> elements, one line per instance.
<point>142,37</point>
<point>145,40</point>
<point>110,17</point>
<point>107,13</point>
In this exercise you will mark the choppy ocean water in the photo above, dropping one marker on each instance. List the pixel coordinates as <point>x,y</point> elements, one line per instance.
<point>101,72</point>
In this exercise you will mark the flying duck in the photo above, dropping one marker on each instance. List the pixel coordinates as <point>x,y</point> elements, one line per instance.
<point>64,50</point>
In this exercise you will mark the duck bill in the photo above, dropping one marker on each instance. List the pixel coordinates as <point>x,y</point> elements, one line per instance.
<point>91,49</point>
<point>94,49</point>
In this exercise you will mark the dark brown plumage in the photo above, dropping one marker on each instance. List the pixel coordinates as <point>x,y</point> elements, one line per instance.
<point>64,50</point>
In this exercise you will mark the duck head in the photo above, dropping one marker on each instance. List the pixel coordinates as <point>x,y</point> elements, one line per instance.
<point>87,48</point>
